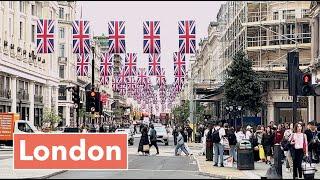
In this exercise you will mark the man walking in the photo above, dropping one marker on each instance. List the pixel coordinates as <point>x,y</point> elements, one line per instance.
<point>153,138</point>
<point>217,139</point>
<point>181,144</point>
<point>175,135</point>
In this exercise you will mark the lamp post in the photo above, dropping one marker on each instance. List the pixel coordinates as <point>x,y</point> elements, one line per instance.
<point>20,102</point>
<point>232,110</point>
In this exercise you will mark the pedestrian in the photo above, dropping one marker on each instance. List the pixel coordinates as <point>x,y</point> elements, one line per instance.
<point>189,131</point>
<point>232,143</point>
<point>181,144</point>
<point>288,149</point>
<point>204,140</point>
<point>258,135</point>
<point>313,137</point>
<point>300,148</point>
<point>267,143</point>
<point>248,132</point>
<point>144,144</point>
<point>209,144</point>
<point>175,135</point>
<point>153,138</point>
<point>217,136</point>
<point>240,134</point>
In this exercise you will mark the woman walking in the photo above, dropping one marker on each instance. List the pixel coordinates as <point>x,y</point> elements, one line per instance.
<point>300,148</point>
<point>209,145</point>
<point>288,150</point>
<point>144,142</point>
<point>267,142</point>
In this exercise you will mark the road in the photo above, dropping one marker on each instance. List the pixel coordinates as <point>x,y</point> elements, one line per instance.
<point>164,165</point>
<point>5,153</point>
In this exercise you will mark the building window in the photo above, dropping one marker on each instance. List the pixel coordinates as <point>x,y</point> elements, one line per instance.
<point>22,6</point>
<point>285,85</point>
<point>11,4</point>
<point>289,14</point>
<point>36,91</point>
<point>61,71</point>
<point>10,27</point>
<point>305,13</point>
<point>61,33</point>
<point>61,13</point>
<point>275,15</point>
<point>33,10</point>
<point>62,93</point>
<point>61,50</point>
<point>39,9</point>
<point>7,84</point>
<point>21,30</point>
<point>277,84</point>
<point>33,33</point>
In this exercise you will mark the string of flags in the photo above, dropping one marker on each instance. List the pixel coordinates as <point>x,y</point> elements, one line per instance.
<point>130,81</point>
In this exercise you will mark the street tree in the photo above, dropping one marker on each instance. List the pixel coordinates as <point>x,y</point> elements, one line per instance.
<point>242,86</point>
<point>50,117</point>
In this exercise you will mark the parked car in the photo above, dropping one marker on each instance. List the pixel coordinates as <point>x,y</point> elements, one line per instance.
<point>129,133</point>
<point>162,134</point>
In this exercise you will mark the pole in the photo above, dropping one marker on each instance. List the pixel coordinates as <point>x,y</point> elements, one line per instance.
<point>77,109</point>
<point>92,66</point>
<point>278,159</point>
<point>315,108</point>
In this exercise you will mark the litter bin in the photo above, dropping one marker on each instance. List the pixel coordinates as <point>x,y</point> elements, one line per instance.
<point>245,156</point>
<point>198,137</point>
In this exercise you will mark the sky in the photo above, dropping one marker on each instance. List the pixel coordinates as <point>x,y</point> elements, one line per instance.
<point>134,13</point>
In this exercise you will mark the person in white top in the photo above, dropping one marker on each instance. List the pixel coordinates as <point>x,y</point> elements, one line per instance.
<point>218,146</point>
<point>300,147</point>
<point>287,134</point>
<point>249,132</point>
<point>239,134</point>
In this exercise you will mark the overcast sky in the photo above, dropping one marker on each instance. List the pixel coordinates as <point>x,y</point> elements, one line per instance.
<point>167,12</point>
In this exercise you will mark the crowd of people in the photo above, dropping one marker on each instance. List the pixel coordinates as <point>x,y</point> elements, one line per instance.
<point>297,141</point>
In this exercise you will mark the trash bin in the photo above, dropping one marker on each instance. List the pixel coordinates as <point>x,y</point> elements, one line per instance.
<point>198,137</point>
<point>245,156</point>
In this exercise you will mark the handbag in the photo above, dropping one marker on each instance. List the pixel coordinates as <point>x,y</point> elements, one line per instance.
<point>146,147</point>
<point>285,144</point>
<point>262,155</point>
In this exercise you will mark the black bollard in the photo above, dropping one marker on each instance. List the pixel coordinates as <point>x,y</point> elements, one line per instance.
<point>278,159</point>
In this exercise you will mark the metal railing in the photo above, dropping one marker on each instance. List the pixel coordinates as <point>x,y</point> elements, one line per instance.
<point>38,98</point>
<point>5,93</point>
<point>23,95</point>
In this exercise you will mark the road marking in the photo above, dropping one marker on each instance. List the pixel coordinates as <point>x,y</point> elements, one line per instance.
<point>158,170</point>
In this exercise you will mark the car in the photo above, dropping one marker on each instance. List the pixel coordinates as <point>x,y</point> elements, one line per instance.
<point>129,133</point>
<point>162,134</point>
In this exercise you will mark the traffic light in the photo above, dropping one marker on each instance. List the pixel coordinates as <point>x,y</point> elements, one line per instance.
<point>92,101</point>
<point>305,84</point>
<point>76,96</point>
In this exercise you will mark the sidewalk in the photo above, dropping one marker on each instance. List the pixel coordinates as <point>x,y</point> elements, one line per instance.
<point>260,169</point>
<point>7,172</point>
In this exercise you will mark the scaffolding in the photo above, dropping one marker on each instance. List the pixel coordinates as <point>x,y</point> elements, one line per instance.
<point>267,31</point>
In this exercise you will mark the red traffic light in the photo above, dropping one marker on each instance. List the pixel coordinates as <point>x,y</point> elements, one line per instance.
<point>306,78</point>
<point>93,94</point>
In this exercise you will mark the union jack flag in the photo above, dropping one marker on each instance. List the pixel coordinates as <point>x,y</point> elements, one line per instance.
<point>179,81</point>
<point>122,77</point>
<point>131,84</point>
<point>131,64</point>
<point>115,83</point>
<point>122,89</point>
<point>81,36</point>
<point>116,38</point>
<point>82,64</point>
<point>179,64</point>
<point>187,37</point>
<point>142,76</point>
<point>151,37</point>
<point>161,78</point>
<point>105,68</point>
<point>45,36</point>
<point>154,64</point>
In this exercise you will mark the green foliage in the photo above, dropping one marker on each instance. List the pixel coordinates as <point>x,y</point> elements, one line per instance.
<point>242,87</point>
<point>50,117</point>
<point>181,113</point>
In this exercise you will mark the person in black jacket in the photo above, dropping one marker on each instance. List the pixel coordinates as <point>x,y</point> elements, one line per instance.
<point>209,145</point>
<point>267,142</point>
<point>144,141</point>
<point>313,137</point>
<point>232,143</point>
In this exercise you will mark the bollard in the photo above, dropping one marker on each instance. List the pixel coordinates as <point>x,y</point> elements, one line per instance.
<point>278,159</point>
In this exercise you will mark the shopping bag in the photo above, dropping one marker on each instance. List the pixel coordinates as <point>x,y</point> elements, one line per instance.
<point>228,161</point>
<point>146,148</point>
<point>261,153</point>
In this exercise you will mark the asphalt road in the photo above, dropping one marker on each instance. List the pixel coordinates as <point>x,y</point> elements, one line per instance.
<point>162,166</point>
<point>6,154</point>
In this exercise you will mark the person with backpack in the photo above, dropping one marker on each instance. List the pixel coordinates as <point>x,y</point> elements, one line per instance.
<point>232,143</point>
<point>217,136</point>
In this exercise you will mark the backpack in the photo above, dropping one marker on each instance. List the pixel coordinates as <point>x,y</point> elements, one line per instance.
<point>215,136</point>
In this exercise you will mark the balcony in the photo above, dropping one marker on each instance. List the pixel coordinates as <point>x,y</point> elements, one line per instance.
<point>62,98</point>
<point>4,93</point>
<point>38,98</point>
<point>23,95</point>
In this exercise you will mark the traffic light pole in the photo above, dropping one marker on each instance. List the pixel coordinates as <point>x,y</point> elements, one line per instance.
<point>92,67</point>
